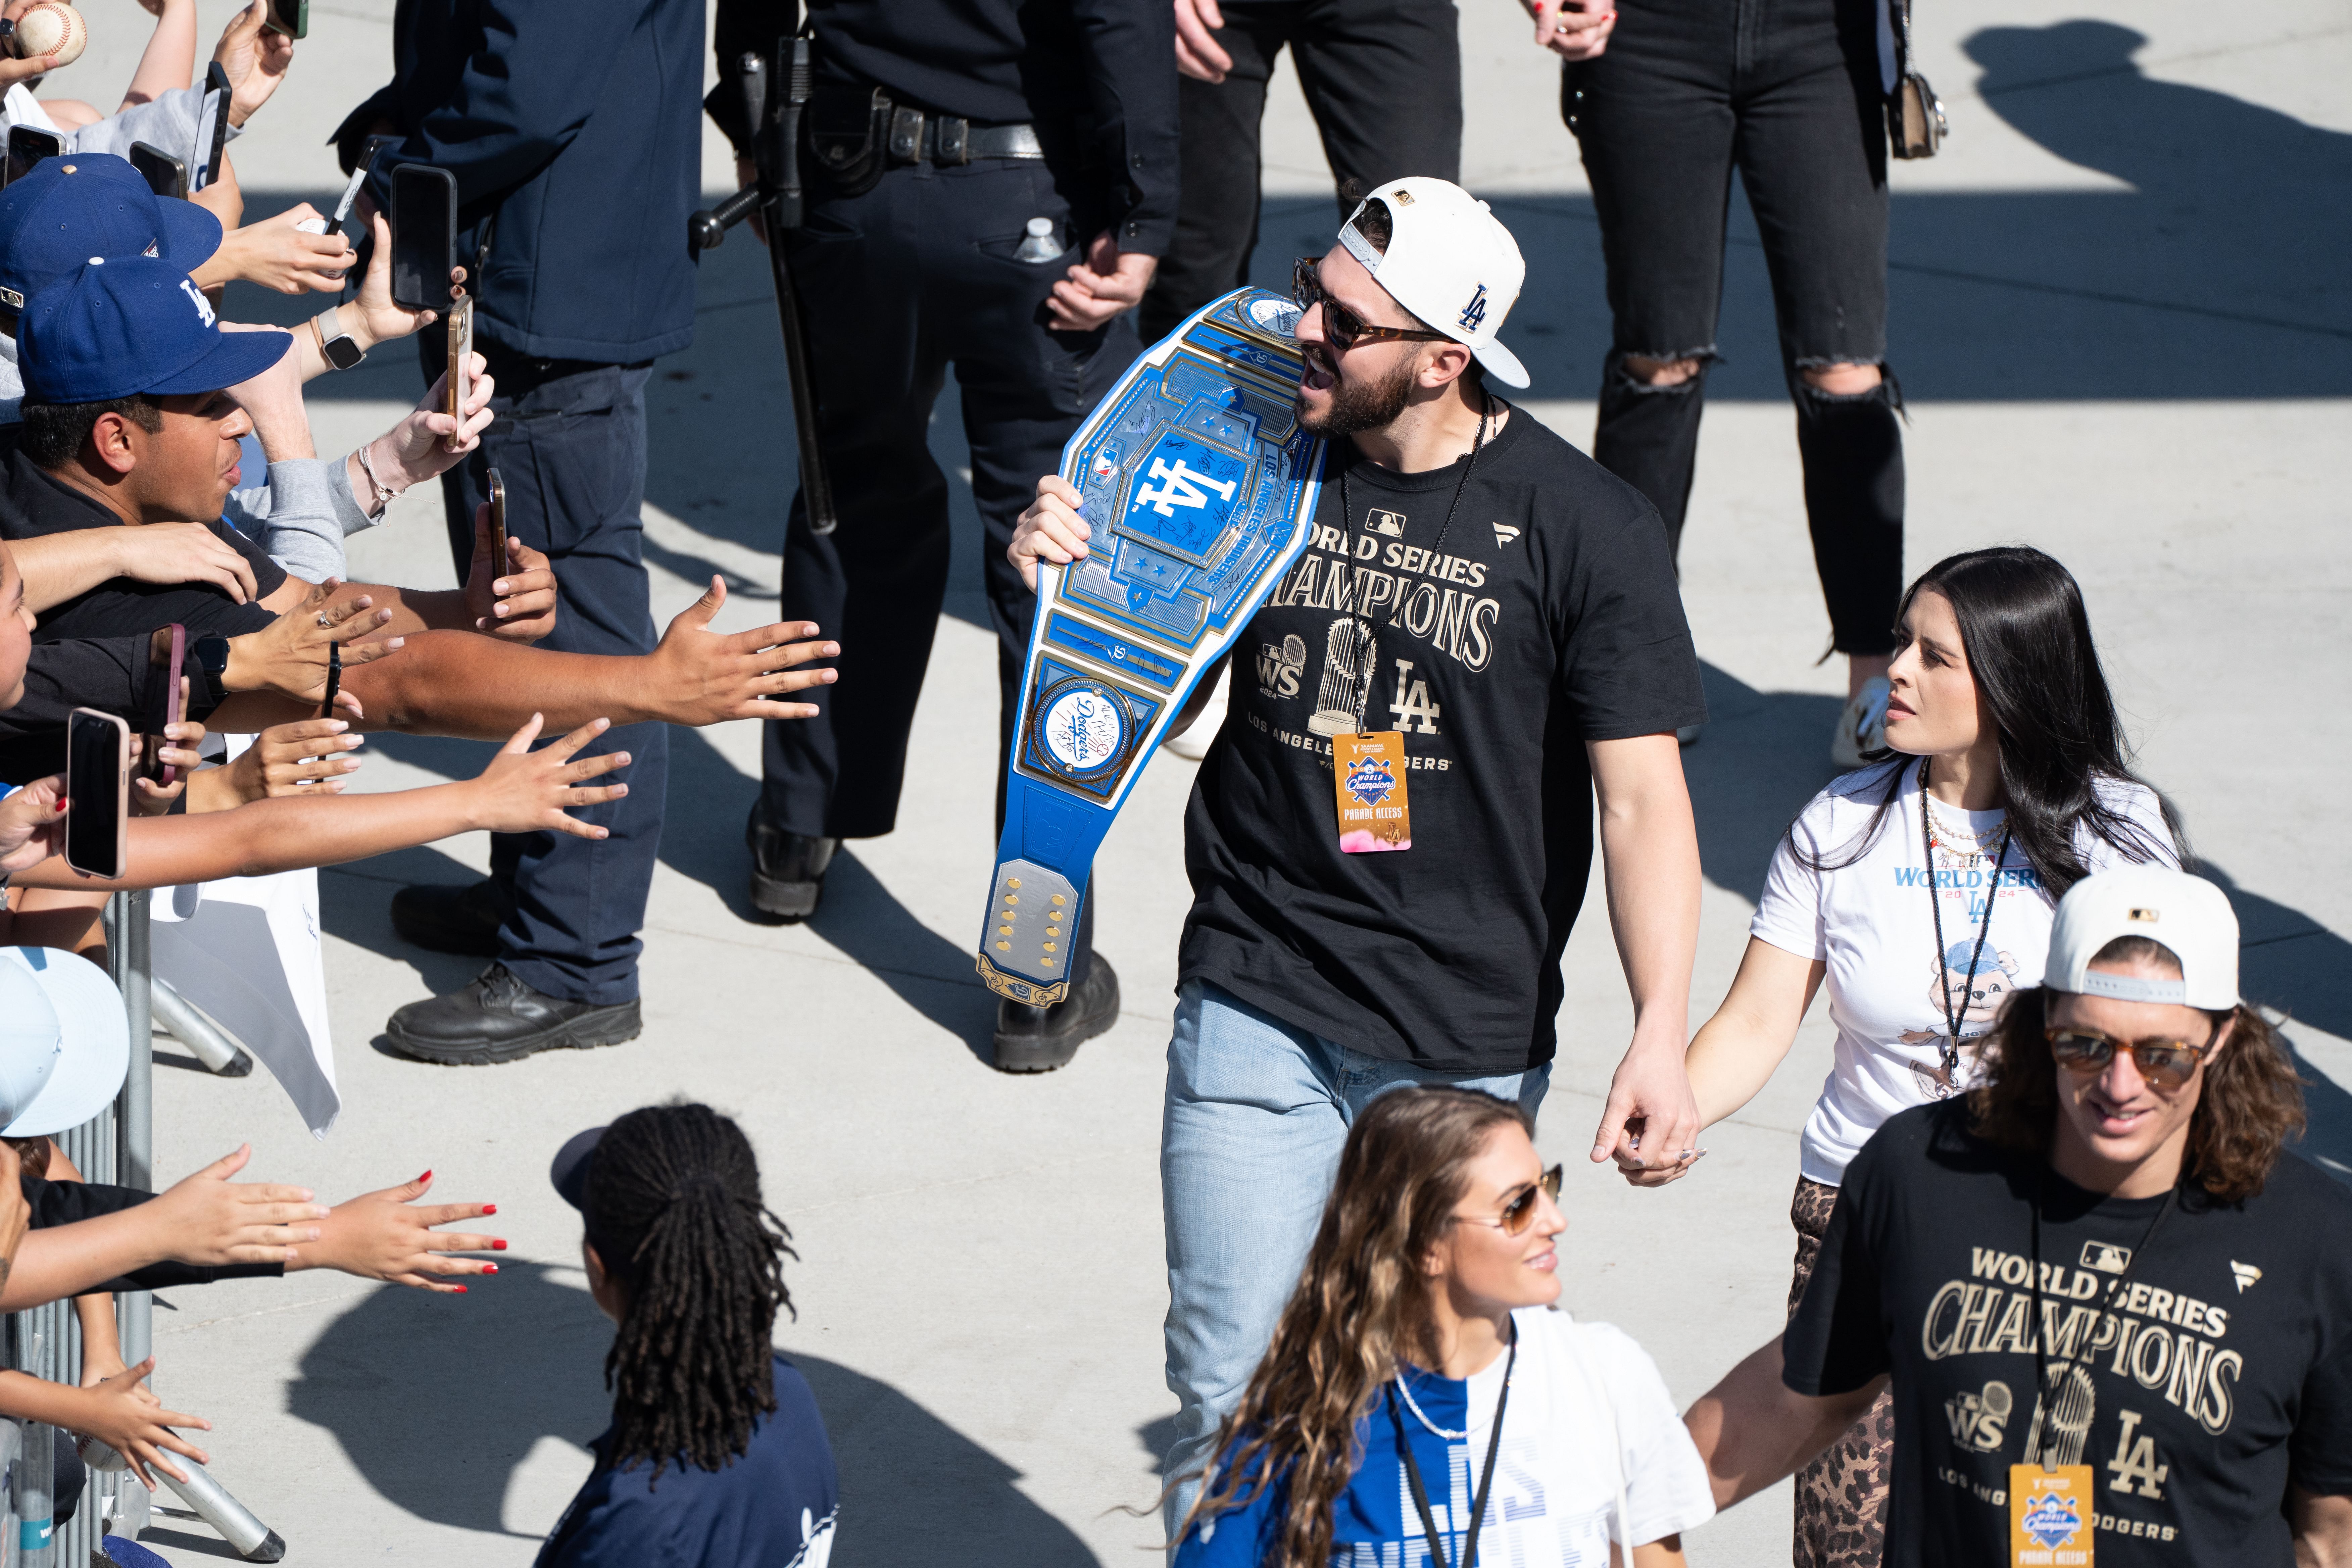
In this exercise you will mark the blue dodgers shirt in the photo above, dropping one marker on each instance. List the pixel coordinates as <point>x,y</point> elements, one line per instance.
<point>1580,1391</point>
<point>773,1506</point>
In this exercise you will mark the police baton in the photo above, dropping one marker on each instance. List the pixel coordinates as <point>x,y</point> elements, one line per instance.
<point>775,195</point>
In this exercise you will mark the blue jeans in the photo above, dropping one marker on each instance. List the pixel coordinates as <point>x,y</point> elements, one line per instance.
<point>1258,1113</point>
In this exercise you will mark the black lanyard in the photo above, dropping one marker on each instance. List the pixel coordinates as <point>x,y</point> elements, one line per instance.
<point>2045,1408</point>
<point>1952,1016</point>
<point>1486,1477</point>
<point>1348,533</point>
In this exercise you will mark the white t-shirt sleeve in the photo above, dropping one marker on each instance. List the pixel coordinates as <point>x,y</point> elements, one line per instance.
<point>1790,915</point>
<point>1666,1489</point>
<point>2139,805</point>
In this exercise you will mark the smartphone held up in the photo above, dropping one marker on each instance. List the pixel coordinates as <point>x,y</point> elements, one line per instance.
<point>97,793</point>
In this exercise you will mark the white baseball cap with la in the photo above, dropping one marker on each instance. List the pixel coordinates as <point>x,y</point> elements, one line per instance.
<point>1449,261</point>
<point>2188,916</point>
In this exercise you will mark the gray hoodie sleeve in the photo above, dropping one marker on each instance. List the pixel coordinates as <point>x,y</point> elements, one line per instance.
<point>169,123</point>
<point>294,517</point>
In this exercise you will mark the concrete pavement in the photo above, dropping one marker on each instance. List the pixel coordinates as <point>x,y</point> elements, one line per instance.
<point>2120,315</point>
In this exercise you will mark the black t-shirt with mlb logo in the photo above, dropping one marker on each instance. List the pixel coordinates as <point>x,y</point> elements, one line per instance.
<point>1546,616</point>
<point>2222,1376</point>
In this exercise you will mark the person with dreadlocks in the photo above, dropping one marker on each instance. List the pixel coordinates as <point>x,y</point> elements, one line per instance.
<point>1422,1386</point>
<point>717,1455</point>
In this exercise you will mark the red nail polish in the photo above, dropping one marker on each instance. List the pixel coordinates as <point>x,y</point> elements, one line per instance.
<point>489,1268</point>
<point>498,1245</point>
<point>426,1177</point>
<point>459,1288</point>
<point>489,1208</point>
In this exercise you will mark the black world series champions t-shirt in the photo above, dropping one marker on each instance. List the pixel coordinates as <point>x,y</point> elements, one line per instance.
<point>2220,1376</point>
<point>1547,616</point>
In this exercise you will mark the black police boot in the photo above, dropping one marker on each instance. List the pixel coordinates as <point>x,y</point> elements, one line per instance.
<point>498,1018</point>
<point>787,868</point>
<point>447,917</point>
<point>1039,1039</point>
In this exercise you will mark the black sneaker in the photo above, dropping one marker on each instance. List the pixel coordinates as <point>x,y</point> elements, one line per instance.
<point>1039,1039</point>
<point>787,868</point>
<point>452,917</point>
<point>498,1018</point>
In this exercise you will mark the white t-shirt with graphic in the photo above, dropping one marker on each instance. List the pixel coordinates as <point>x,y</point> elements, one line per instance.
<point>1871,923</point>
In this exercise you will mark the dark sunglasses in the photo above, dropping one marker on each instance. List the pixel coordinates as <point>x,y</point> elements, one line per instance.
<point>2166,1064</point>
<point>1342,328</point>
<point>1521,1212</point>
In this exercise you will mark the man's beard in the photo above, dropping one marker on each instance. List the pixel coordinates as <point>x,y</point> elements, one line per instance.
<point>1361,405</point>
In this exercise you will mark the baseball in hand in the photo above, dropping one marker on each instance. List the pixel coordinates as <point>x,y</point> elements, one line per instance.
<point>52,27</point>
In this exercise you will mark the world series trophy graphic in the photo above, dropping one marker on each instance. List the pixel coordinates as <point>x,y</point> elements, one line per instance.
<point>1199,487</point>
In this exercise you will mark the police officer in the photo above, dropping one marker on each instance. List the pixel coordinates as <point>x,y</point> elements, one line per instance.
<point>551,142</point>
<point>990,183</point>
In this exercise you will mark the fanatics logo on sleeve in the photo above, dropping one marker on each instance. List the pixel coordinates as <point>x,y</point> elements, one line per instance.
<point>2246,1274</point>
<point>1505,533</point>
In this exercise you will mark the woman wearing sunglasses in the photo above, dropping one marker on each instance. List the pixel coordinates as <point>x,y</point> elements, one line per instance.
<point>2108,1303</point>
<point>1919,890</point>
<point>1422,1390</point>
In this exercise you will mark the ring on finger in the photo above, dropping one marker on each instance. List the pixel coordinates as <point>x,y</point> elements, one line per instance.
<point>326,622</point>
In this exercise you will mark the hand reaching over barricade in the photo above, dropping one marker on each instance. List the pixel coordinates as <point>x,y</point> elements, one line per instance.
<point>182,749</point>
<point>388,1236</point>
<point>291,656</point>
<point>121,1412</point>
<point>299,759</point>
<point>255,57</point>
<point>705,676</point>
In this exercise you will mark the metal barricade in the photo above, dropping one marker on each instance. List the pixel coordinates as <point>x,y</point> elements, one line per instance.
<point>115,1146</point>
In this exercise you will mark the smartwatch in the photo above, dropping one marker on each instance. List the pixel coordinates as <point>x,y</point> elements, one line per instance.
<point>334,342</point>
<point>210,655</point>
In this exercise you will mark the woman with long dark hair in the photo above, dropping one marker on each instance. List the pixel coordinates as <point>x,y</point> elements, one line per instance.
<point>1420,1358</point>
<point>1921,889</point>
<point>717,1455</point>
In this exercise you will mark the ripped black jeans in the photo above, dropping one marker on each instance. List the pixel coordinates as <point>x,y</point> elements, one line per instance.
<point>1788,92</point>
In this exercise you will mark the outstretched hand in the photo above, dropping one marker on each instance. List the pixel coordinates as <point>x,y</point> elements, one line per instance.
<point>14,70</point>
<point>705,676</point>
<point>123,1412</point>
<point>523,791</point>
<point>388,1236</point>
<point>289,655</point>
<point>208,1221</point>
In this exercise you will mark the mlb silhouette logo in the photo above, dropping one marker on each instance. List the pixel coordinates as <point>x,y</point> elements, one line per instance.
<point>2106,1258</point>
<point>1106,463</point>
<point>1389,522</point>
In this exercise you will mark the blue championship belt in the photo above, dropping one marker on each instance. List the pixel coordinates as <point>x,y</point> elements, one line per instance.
<point>1199,487</point>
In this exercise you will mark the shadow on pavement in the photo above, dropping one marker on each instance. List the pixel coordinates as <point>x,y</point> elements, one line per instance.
<point>1762,757</point>
<point>924,969</point>
<point>521,1358</point>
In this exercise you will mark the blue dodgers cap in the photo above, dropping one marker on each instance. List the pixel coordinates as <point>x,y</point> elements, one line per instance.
<point>115,328</point>
<point>67,210</point>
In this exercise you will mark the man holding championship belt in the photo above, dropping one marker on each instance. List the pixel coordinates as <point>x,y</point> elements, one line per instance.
<point>1391,838</point>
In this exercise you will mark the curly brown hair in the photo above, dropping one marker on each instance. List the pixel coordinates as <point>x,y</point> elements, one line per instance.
<point>1361,1307</point>
<point>2249,1101</point>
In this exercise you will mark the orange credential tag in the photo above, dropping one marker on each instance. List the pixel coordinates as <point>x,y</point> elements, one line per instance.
<point>2049,1519</point>
<point>1368,771</point>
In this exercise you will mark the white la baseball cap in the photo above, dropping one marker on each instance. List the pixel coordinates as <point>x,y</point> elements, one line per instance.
<point>2188,915</point>
<point>64,1041</point>
<point>1449,261</point>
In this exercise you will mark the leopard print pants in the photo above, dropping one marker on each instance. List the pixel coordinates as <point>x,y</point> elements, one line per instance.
<point>1841,1506</point>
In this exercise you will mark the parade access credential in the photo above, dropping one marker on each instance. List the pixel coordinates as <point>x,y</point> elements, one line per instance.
<point>1199,487</point>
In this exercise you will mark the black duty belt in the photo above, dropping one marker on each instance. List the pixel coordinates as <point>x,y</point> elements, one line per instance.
<point>919,138</point>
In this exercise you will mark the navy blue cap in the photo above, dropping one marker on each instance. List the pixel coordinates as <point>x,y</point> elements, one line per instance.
<point>572,1164</point>
<point>65,210</point>
<point>114,329</point>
